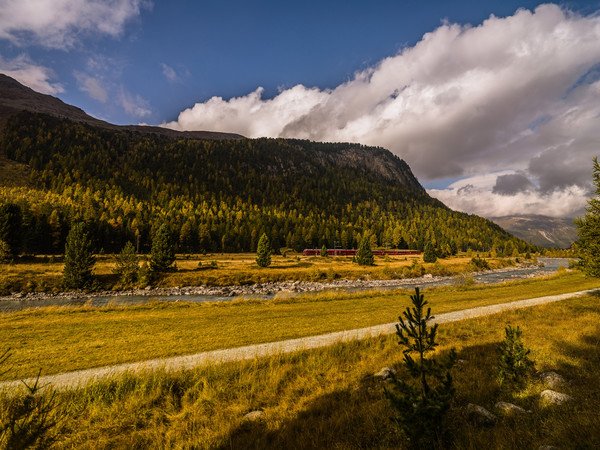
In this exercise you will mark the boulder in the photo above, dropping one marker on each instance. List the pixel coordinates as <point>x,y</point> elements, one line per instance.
<point>480,416</point>
<point>509,408</point>
<point>385,373</point>
<point>253,416</point>
<point>552,379</point>
<point>550,397</point>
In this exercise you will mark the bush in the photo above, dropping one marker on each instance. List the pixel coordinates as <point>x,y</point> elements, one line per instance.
<point>127,264</point>
<point>421,406</point>
<point>479,263</point>
<point>513,362</point>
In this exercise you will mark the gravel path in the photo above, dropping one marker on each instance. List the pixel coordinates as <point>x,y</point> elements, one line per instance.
<point>72,380</point>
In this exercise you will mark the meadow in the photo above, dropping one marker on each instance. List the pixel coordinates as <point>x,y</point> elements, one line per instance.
<point>328,397</point>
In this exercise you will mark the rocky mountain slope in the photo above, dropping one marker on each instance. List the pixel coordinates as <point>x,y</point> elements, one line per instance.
<point>543,231</point>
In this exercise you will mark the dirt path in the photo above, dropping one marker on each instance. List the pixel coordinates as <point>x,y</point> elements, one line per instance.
<point>72,380</point>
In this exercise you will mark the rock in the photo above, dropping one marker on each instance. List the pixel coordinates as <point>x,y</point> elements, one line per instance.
<point>509,408</point>
<point>554,398</point>
<point>552,379</point>
<point>253,416</point>
<point>385,373</point>
<point>548,447</point>
<point>480,416</point>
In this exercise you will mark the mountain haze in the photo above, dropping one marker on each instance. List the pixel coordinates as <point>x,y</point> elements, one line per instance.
<point>542,231</point>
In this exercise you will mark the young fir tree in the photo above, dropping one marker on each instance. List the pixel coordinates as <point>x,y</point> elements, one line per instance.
<point>263,251</point>
<point>588,230</point>
<point>513,361</point>
<point>429,253</point>
<point>127,265</point>
<point>323,250</point>
<point>364,255</point>
<point>421,405</point>
<point>162,253</point>
<point>11,221</point>
<point>79,258</point>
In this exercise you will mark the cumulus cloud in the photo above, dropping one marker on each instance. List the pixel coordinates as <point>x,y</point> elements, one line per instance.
<point>92,86</point>
<point>134,105</point>
<point>520,93</point>
<point>480,194</point>
<point>512,184</point>
<point>58,23</point>
<point>30,74</point>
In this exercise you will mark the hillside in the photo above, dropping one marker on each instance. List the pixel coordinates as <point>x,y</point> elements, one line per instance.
<point>542,231</point>
<point>218,194</point>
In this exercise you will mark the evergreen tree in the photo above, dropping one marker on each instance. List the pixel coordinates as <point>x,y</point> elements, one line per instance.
<point>11,221</point>
<point>588,230</point>
<point>429,254</point>
<point>162,253</point>
<point>421,406</point>
<point>79,258</point>
<point>5,253</point>
<point>513,361</point>
<point>263,251</point>
<point>324,250</point>
<point>127,264</point>
<point>364,255</point>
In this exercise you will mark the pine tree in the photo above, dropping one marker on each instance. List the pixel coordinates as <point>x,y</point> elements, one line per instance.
<point>263,251</point>
<point>513,361</point>
<point>127,265</point>
<point>421,405</point>
<point>162,253</point>
<point>323,250</point>
<point>588,230</point>
<point>11,220</point>
<point>364,255</point>
<point>79,258</point>
<point>429,254</point>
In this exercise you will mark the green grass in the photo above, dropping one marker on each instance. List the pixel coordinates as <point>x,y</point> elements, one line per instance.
<point>328,398</point>
<point>61,339</point>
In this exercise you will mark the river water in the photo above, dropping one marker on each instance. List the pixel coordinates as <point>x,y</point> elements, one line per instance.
<point>550,266</point>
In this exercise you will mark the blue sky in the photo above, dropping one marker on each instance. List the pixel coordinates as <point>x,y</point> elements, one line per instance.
<point>159,62</point>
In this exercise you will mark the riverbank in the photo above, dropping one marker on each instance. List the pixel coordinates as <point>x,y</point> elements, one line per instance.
<point>529,269</point>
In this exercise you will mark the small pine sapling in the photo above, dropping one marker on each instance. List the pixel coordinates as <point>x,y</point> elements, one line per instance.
<point>264,251</point>
<point>364,254</point>
<point>323,250</point>
<point>421,405</point>
<point>513,362</point>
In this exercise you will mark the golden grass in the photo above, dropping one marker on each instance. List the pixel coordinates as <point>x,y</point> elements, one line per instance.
<point>328,398</point>
<point>59,339</point>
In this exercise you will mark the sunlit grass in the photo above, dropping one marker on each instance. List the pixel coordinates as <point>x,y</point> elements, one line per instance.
<point>328,398</point>
<point>59,339</point>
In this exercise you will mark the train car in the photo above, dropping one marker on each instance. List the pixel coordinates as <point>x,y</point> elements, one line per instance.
<point>352,252</point>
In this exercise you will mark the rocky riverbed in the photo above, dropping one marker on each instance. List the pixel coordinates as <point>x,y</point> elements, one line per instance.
<point>291,287</point>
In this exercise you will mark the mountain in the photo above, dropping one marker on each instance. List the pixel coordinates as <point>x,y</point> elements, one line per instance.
<point>217,192</point>
<point>14,98</point>
<point>542,231</point>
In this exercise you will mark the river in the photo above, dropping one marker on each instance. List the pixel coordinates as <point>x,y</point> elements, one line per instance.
<point>550,266</point>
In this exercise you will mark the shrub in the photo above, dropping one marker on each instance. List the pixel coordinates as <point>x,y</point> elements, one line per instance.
<point>421,405</point>
<point>127,264</point>
<point>479,263</point>
<point>513,362</point>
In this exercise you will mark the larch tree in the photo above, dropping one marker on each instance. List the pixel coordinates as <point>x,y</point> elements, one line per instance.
<point>588,230</point>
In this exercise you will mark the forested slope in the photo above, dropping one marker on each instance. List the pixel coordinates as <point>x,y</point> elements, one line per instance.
<point>221,195</point>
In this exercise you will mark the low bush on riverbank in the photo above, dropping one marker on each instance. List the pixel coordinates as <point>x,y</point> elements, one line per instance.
<point>58,339</point>
<point>42,274</point>
<point>329,398</point>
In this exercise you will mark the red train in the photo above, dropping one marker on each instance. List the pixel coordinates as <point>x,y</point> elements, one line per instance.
<point>351,252</point>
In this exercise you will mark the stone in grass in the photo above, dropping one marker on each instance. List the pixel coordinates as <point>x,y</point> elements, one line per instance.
<point>550,397</point>
<point>253,416</point>
<point>385,373</point>
<point>480,416</point>
<point>509,408</point>
<point>552,379</point>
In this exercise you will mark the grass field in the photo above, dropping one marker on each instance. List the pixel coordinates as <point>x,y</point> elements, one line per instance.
<point>44,274</point>
<point>328,398</point>
<point>60,339</point>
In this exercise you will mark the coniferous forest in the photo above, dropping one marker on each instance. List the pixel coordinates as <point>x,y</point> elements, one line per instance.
<point>218,195</point>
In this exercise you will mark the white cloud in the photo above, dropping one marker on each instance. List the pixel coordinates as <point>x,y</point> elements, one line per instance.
<point>30,74</point>
<point>59,23</point>
<point>510,93</point>
<point>475,195</point>
<point>92,86</point>
<point>135,106</point>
